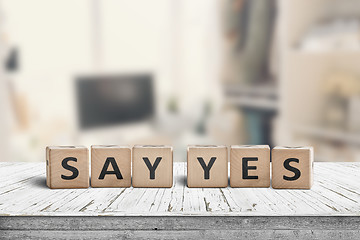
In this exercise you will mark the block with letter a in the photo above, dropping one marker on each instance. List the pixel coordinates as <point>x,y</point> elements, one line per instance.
<point>110,166</point>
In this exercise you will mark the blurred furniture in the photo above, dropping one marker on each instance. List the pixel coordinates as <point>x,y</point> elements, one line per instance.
<point>317,50</point>
<point>259,105</point>
<point>115,108</point>
<point>249,30</point>
<point>114,99</point>
<point>330,210</point>
<point>308,94</point>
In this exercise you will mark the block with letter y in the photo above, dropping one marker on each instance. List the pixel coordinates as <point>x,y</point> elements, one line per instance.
<point>152,166</point>
<point>207,166</point>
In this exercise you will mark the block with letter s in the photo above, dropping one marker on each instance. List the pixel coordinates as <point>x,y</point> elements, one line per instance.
<point>292,167</point>
<point>67,167</point>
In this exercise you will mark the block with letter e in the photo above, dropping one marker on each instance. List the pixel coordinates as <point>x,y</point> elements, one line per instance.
<point>152,166</point>
<point>250,166</point>
<point>207,166</point>
<point>110,166</point>
<point>67,167</point>
<point>292,167</point>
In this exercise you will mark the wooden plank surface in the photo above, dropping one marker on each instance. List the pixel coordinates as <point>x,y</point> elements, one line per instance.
<point>180,227</point>
<point>168,234</point>
<point>336,192</point>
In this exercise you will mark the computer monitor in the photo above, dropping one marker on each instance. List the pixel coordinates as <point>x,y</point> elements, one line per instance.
<point>110,100</point>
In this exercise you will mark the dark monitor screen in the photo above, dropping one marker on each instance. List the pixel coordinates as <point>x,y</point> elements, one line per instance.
<point>109,100</point>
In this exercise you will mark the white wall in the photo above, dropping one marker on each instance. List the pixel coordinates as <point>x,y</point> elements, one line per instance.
<point>177,41</point>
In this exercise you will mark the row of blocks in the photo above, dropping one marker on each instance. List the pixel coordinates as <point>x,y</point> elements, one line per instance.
<point>152,166</point>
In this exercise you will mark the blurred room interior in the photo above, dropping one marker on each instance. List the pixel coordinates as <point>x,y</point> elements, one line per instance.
<point>179,72</point>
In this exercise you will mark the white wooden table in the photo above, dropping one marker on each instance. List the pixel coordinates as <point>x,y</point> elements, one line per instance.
<point>330,210</point>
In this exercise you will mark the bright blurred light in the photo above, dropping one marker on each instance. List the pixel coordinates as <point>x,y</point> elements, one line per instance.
<point>219,72</point>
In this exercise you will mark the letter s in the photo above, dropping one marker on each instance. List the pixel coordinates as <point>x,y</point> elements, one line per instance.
<point>296,171</point>
<point>74,170</point>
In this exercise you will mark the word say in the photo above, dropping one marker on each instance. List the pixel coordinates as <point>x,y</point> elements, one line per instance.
<point>146,166</point>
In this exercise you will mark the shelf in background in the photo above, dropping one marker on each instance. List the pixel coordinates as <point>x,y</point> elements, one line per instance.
<point>264,97</point>
<point>329,134</point>
<point>330,52</point>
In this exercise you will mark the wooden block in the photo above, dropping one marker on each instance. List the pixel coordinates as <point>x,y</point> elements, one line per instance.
<point>67,167</point>
<point>292,167</point>
<point>250,166</point>
<point>207,166</point>
<point>110,166</point>
<point>152,166</point>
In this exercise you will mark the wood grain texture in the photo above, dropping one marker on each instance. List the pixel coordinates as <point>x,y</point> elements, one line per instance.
<point>258,166</point>
<point>214,160</point>
<point>85,223</point>
<point>186,234</point>
<point>180,227</point>
<point>57,175</point>
<point>30,210</point>
<point>121,156</point>
<point>23,192</point>
<point>302,159</point>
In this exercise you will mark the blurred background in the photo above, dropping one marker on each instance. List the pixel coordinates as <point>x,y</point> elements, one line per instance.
<point>179,72</point>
